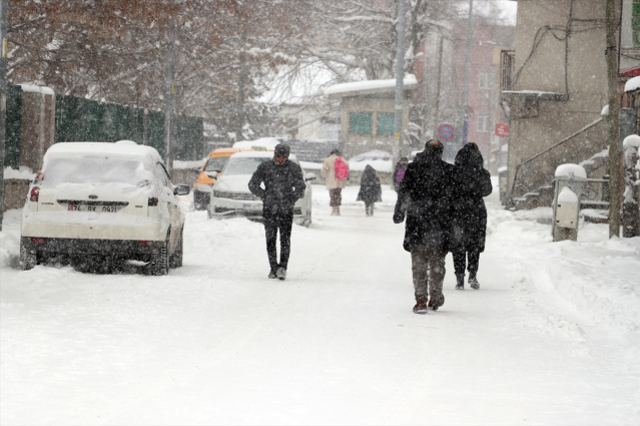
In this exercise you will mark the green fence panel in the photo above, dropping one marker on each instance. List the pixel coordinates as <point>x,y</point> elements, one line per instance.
<point>136,125</point>
<point>118,122</point>
<point>12,127</point>
<point>155,131</point>
<point>188,138</point>
<point>67,127</point>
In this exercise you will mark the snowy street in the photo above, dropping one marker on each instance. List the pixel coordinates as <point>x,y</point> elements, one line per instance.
<point>552,336</point>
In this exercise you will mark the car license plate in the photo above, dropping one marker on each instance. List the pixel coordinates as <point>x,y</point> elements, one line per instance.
<point>88,208</point>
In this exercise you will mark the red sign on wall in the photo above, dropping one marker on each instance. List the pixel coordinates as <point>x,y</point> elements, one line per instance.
<point>502,130</point>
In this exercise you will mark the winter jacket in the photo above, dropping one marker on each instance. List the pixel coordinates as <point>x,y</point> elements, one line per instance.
<point>425,197</point>
<point>283,186</point>
<point>471,182</point>
<point>370,189</point>
<point>328,171</point>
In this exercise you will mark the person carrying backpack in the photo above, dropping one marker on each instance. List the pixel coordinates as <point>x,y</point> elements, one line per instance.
<point>335,171</point>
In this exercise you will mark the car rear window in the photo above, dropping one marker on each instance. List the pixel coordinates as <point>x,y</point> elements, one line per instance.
<point>215,164</point>
<point>243,165</point>
<point>94,170</point>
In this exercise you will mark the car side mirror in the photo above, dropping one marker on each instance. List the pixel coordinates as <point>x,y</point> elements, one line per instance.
<point>181,189</point>
<point>309,177</point>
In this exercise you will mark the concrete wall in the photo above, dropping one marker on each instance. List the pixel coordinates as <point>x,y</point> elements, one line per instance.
<point>37,127</point>
<point>539,122</point>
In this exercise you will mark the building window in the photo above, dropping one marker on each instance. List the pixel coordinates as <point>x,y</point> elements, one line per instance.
<point>386,124</point>
<point>484,124</point>
<point>485,80</point>
<point>635,22</point>
<point>360,123</point>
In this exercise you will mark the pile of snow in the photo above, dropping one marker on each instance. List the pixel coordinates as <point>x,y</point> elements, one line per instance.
<point>178,164</point>
<point>567,170</point>
<point>632,84</point>
<point>381,161</point>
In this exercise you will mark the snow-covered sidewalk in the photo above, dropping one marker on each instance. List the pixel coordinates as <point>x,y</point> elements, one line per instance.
<point>552,337</point>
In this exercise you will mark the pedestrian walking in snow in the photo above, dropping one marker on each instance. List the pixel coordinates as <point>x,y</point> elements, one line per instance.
<point>335,179</point>
<point>370,189</point>
<point>425,198</point>
<point>279,184</point>
<point>399,171</point>
<point>471,182</point>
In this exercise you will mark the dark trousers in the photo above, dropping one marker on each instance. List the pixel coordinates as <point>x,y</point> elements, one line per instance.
<point>272,225</point>
<point>460,262</point>
<point>335,197</point>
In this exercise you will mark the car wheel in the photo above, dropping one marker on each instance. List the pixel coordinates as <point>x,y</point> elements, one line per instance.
<point>28,259</point>
<point>160,260</point>
<point>175,261</point>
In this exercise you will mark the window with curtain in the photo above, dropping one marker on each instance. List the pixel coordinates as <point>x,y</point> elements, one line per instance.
<point>360,123</point>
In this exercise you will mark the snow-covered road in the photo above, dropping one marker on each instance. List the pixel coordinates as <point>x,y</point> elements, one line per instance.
<point>552,337</point>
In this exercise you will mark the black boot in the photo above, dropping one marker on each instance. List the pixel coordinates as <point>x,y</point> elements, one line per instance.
<point>473,282</point>
<point>460,282</point>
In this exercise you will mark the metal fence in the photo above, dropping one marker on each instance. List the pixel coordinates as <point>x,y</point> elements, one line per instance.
<point>83,120</point>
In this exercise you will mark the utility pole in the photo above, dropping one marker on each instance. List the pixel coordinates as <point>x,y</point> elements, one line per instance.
<point>3,99</point>
<point>169,93</point>
<point>464,118</point>
<point>614,118</point>
<point>241,82</point>
<point>436,119</point>
<point>397,147</point>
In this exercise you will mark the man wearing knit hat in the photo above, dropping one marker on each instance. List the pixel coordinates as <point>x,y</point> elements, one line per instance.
<point>279,184</point>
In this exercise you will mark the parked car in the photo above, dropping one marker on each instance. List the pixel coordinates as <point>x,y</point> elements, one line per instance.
<point>210,171</point>
<point>97,198</point>
<point>231,196</point>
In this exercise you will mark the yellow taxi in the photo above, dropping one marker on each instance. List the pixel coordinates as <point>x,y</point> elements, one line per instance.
<point>210,171</point>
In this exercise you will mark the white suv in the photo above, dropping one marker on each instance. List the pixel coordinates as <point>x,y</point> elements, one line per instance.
<point>231,196</point>
<point>98,198</point>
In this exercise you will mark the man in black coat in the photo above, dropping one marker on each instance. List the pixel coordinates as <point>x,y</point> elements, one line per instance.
<point>283,185</point>
<point>471,182</point>
<point>425,197</point>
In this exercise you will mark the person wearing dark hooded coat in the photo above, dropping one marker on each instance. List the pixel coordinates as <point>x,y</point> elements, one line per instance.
<point>471,182</point>
<point>425,198</point>
<point>283,186</point>
<point>370,189</point>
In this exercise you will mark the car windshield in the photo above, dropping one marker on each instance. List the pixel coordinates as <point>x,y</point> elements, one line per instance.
<point>244,165</point>
<point>94,170</point>
<point>215,164</point>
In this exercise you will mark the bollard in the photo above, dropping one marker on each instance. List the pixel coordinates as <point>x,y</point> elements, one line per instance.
<point>570,179</point>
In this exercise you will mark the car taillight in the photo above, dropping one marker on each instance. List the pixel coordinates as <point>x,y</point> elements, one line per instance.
<point>144,243</point>
<point>39,177</point>
<point>35,194</point>
<point>37,240</point>
<point>153,202</point>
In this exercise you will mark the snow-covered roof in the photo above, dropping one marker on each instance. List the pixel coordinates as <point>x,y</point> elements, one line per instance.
<point>37,89</point>
<point>632,84</point>
<point>370,86</point>
<point>266,143</point>
<point>565,170</point>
